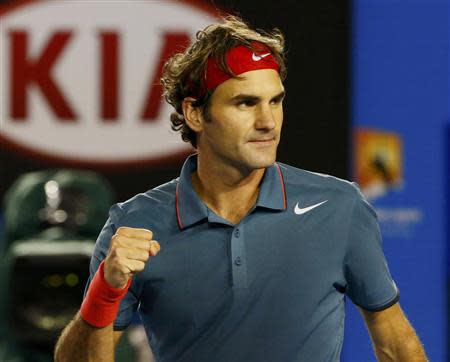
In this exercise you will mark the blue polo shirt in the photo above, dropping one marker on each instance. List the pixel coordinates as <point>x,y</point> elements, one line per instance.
<point>271,288</point>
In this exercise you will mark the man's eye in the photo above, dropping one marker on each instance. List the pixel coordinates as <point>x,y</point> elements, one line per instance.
<point>277,101</point>
<point>248,103</point>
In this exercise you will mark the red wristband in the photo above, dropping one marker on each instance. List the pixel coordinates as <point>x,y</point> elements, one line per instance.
<point>101,304</point>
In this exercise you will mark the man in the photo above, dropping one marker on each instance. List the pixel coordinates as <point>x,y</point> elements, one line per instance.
<point>254,257</point>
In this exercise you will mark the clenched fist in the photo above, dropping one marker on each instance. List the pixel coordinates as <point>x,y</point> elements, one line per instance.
<point>129,250</point>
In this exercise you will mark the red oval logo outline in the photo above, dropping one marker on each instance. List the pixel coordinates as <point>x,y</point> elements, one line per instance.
<point>136,162</point>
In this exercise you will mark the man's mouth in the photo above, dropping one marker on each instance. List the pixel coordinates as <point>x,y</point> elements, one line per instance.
<point>263,141</point>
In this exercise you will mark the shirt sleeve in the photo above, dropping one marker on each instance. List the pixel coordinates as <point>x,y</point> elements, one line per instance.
<point>130,302</point>
<point>369,282</point>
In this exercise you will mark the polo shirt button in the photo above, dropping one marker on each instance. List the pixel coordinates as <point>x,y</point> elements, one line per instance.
<point>238,261</point>
<point>237,233</point>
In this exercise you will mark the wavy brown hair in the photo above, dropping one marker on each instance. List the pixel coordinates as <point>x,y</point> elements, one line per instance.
<point>183,74</point>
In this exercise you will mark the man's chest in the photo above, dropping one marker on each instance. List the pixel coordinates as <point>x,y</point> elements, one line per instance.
<point>268,259</point>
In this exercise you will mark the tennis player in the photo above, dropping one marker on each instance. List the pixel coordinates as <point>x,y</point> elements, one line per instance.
<point>241,258</point>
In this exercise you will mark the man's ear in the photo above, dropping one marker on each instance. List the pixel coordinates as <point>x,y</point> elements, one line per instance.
<point>192,115</point>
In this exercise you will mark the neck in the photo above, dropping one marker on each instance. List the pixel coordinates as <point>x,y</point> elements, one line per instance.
<point>226,190</point>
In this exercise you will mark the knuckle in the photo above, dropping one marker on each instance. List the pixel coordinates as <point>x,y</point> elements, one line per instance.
<point>121,230</point>
<point>115,239</point>
<point>147,234</point>
<point>112,251</point>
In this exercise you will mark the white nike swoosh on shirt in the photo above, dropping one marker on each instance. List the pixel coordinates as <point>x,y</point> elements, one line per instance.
<point>259,57</point>
<point>299,211</point>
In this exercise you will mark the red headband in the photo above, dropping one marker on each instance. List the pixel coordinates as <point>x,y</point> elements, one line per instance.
<point>239,59</point>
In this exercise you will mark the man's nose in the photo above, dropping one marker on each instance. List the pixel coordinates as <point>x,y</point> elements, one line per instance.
<point>265,117</point>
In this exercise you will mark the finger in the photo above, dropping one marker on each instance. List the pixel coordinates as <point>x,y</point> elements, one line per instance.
<point>135,233</point>
<point>131,266</point>
<point>133,254</point>
<point>128,242</point>
<point>154,247</point>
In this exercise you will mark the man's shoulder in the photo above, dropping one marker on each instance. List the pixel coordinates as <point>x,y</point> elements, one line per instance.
<point>156,201</point>
<point>308,181</point>
<point>297,176</point>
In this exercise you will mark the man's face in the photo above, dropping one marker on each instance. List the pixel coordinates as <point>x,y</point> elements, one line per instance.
<point>246,115</point>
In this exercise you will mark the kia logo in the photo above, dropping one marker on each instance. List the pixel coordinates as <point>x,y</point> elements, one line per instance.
<point>80,79</point>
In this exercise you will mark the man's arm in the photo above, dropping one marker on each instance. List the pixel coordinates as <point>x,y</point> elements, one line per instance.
<point>80,341</point>
<point>393,337</point>
<point>128,253</point>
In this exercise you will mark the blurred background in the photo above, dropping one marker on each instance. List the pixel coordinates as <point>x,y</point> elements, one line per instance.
<point>83,125</point>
